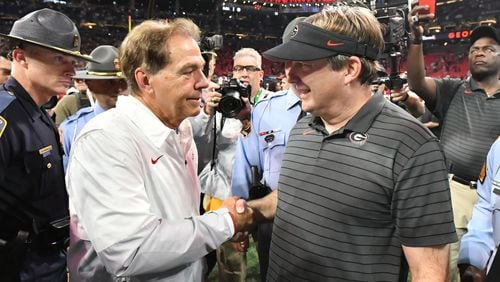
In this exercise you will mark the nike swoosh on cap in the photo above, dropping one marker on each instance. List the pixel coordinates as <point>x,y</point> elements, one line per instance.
<point>333,44</point>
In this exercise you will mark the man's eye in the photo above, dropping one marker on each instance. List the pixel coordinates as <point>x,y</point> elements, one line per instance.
<point>188,71</point>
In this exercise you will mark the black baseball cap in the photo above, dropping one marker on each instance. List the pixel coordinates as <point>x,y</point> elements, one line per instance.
<point>484,31</point>
<point>309,42</point>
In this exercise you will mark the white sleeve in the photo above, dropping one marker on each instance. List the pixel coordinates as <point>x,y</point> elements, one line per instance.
<point>106,186</point>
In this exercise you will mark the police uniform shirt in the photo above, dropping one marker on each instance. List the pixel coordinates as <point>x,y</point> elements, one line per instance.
<point>31,173</point>
<point>72,126</point>
<point>483,234</point>
<point>272,120</point>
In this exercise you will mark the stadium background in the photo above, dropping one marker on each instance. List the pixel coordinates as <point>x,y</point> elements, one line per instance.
<point>259,24</point>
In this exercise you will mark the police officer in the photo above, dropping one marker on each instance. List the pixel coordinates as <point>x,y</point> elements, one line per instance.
<point>44,46</point>
<point>272,120</point>
<point>105,82</point>
<point>479,259</point>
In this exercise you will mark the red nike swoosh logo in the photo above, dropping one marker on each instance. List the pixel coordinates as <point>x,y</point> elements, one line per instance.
<point>307,132</point>
<point>154,161</point>
<point>333,44</point>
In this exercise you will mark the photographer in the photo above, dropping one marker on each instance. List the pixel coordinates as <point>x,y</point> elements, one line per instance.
<point>467,111</point>
<point>216,130</point>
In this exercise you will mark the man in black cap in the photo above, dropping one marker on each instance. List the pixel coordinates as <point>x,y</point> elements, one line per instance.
<point>105,82</point>
<point>259,154</point>
<point>363,185</point>
<point>45,46</point>
<point>467,111</point>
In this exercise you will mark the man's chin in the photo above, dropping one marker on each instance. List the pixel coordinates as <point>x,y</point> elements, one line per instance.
<point>195,112</point>
<point>480,75</point>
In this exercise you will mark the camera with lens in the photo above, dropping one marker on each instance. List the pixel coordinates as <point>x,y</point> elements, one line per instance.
<point>392,22</point>
<point>231,102</point>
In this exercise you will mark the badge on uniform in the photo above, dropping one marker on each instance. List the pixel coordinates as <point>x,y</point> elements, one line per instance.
<point>269,138</point>
<point>45,151</point>
<point>3,125</point>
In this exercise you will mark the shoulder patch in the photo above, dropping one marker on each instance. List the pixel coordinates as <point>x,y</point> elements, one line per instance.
<point>3,125</point>
<point>482,174</point>
<point>6,97</point>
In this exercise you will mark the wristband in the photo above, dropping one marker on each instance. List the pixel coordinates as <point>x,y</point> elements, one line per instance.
<point>416,40</point>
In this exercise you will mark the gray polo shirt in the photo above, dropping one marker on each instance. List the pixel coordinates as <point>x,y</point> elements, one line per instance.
<point>349,200</point>
<point>470,122</point>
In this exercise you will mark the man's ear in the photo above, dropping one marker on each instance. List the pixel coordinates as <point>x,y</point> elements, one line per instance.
<point>352,69</point>
<point>143,80</point>
<point>19,55</point>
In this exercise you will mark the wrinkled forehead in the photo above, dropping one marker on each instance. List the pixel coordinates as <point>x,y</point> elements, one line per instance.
<point>245,61</point>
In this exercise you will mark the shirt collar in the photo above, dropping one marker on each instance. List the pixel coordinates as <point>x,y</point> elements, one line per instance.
<point>27,102</point>
<point>98,109</point>
<point>362,120</point>
<point>144,118</point>
<point>291,99</point>
<point>473,84</point>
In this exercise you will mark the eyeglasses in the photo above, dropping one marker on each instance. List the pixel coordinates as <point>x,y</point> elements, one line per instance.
<point>245,68</point>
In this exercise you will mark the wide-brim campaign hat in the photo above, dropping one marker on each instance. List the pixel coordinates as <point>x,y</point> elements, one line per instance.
<point>108,66</point>
<point>50,29</point>
<point>484,31</point>
<point>309,42</point>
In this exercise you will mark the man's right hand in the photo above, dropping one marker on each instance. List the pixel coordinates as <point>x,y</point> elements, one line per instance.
<point>212,98</point>
<point>416,19</point>
<point>243,216</point>
<point>470,273</point>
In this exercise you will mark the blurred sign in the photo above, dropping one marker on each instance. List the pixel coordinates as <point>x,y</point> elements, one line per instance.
<point>459,34</point>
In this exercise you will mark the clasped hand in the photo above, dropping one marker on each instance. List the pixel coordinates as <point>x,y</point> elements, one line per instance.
<point>243,216</point>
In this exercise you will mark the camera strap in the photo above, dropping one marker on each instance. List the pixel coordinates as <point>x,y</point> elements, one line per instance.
<point>215,152</point>
<point>256,98</point>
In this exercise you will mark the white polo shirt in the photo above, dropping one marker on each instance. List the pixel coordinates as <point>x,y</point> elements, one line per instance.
<point>134,200</point>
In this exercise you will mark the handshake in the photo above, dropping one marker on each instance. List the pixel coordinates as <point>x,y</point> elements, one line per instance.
<point>247,214</point>
<point>244,217</point>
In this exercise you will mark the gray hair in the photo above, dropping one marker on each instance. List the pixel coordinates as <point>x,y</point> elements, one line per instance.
<point>249,52</point>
